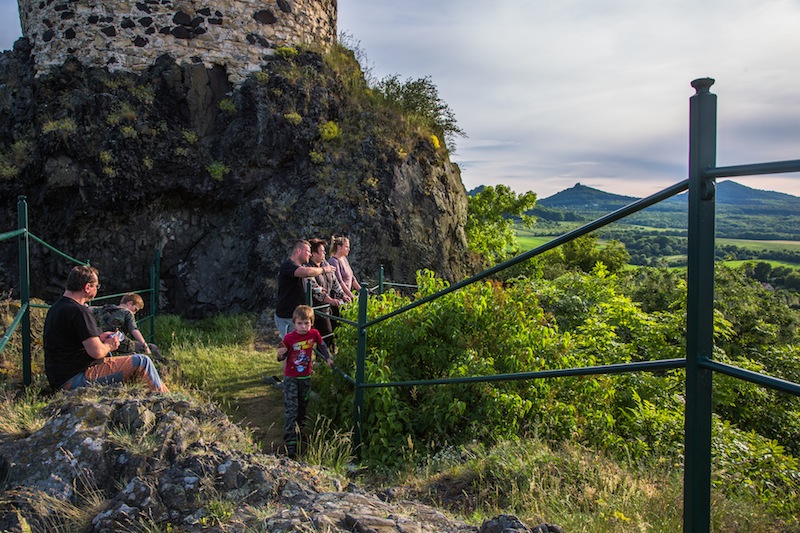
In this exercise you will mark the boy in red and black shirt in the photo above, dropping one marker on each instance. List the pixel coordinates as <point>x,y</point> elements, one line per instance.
<point>298,350</point>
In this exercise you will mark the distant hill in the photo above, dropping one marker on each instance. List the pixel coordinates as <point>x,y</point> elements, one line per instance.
<point>583,197</point>
<point>731,197</point>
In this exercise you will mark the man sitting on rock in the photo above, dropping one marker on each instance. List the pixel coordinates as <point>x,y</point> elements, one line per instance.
<point>75,349</point>
<point>122,318</point>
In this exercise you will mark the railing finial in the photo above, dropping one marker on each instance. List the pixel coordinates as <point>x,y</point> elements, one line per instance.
<point>702,85</point>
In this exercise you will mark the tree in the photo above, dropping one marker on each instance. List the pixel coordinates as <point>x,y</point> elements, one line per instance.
<point>490,222</point>
<point>420,99</point>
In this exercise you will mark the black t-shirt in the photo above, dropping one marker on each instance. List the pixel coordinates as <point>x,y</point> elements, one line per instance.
<point>66,326</point>
<point>291,290</point>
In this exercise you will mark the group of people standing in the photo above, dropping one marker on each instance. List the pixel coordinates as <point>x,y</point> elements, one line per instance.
<point>332,286</point>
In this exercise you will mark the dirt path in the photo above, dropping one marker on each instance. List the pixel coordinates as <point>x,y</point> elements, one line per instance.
<point>258,405</point>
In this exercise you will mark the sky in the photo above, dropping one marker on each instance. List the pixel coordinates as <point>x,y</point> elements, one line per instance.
<point>554,93</point>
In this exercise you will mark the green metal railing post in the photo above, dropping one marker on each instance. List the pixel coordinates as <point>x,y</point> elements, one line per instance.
<point>24,289</point>
<point>380,280</point>
<point>155,283</point>
<point>699,308</point>
<point>361,359</point>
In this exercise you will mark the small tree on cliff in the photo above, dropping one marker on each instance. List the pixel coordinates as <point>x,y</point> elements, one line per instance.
<point>420,100</point>
<point>490,222</point>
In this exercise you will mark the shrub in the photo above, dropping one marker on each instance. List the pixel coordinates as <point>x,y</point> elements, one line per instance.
<point>316,157</point>
<point>293,118</point>
<point>329,131</point>
<point>64,125</point>
<point>227,105</point>
<point>129,132</point>
<point>218,170</point>
<point>262,76</point>
<point>286,52</point>
<point>8,172</point>
<point>190,136</point>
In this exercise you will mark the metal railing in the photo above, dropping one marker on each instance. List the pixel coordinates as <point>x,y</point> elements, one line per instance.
<point>700,307</point>
<point>22,318</point>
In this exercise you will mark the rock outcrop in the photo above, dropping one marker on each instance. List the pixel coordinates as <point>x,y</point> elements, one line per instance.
<point>118,459</point>
<point>221,178</point>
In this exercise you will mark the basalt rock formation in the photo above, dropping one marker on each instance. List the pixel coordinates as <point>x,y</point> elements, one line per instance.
<point>117,459</point>
<point>221,178</point>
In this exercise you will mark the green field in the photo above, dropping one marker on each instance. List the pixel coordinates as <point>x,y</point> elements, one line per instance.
<point>761,245</point>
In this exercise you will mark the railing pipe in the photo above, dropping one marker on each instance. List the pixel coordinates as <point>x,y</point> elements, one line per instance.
<point>361,362</point>
<point>622,212</point>
<point>699,308</point>
<point>380,280</point>
<point>776,167</point>
<point>24,289</point>
<point>753,377</point>
<point>642,366</point>
<point>56,250</point>
<point>11,234</point>
<point>13,326</point>
<point>155,285</point>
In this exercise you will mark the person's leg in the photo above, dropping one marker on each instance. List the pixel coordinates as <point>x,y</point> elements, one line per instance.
<point>303,390</point>
<point>323,325</point>
<point>290,406</point>
<point>136,367</point>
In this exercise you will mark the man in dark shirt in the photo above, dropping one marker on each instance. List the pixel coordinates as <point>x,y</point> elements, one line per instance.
<point>75,349</point>
<point>291,284</point>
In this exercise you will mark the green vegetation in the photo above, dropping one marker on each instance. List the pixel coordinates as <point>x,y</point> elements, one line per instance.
<point>490,222</point>
<point>64,125</point>
<point>419,100</point>
<point>218,170</point>
<point>226,105</point>
<point>286,52</point>
<point>591,454</point>
<point>293,118</point>
<point>329,131</point>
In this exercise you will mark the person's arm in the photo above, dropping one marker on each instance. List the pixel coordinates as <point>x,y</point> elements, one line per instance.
<point>323,349</point>
<point>137,335</point>
<point>132,330</point>
<point>311,272</point>
<point>99,347</point>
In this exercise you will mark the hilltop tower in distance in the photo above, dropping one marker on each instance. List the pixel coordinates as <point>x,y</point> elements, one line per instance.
<point>130,35</point>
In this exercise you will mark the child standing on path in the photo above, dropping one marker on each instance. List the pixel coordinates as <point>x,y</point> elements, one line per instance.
<point>298,350</point>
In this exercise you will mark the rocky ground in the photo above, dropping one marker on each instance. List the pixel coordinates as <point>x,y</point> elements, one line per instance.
<point>123,459</point>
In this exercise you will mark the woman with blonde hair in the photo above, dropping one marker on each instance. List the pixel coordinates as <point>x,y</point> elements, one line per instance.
<point>340,249</point>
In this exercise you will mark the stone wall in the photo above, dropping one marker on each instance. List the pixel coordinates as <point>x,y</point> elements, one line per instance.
<point>129,35</point>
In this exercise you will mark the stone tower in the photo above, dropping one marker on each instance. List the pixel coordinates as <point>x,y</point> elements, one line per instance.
<point>130,34</point>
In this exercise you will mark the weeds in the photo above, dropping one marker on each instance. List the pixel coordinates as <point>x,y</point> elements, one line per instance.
<point>329,447</point>
<point>21,415</point>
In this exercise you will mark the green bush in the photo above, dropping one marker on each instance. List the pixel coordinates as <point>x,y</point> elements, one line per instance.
<point>286,52</point>
<point>329,131</point>
<point>218,170</point>
<point>64,125</point>
<point>227,105</point>
<point>293,118</point>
